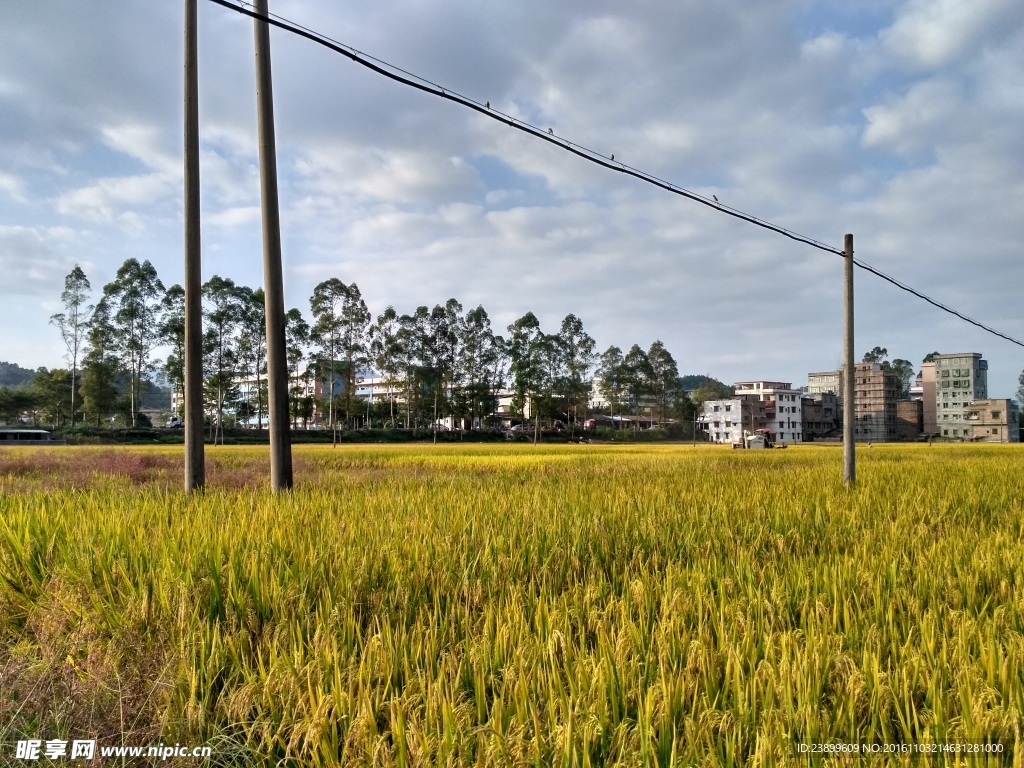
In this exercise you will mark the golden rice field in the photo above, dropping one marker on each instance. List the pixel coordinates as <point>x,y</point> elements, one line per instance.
<point>494,605</point>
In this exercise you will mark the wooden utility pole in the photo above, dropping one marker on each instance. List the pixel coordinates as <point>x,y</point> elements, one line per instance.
<point>273,280</point>
<point>849,406</point>
<point>195,471</point>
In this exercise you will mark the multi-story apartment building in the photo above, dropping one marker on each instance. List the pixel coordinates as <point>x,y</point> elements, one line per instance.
<point>960,379</point>
<point>823,381</point>
<point>821,415</point>
<point>726,421</point>
<point>991,421</point>
<point>783,413</point>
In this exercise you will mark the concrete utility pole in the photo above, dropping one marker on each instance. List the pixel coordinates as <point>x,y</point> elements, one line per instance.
<point>849,454</point>
<point>277,362</point>
<point>195,471</point>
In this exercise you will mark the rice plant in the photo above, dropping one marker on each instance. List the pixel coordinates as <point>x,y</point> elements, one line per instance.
<point>511,605</point>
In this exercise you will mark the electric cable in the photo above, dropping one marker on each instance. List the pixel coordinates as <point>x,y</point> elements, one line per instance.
<point>412,80</point>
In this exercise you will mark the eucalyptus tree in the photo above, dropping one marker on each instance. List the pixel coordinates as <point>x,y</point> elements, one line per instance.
<point>252,346</point>
<point>638,382</point>
<point>134,297</point>
<point>172,334</point>
<point>415,356</point>
<point>327,305</point>
<point>73,322</point>
<point>355,321</point>
<point>611,377</point>
<point>664,376</point>
<point>296,335</point>
<point>480,363</point>
<point>386,351</point>
<point>444,324</point>
<point>223,313</point>
<point>100,365</point>
<point>578,358</point>
<point>551,356</point>
<point>529,352</point>
<point>904,369</point>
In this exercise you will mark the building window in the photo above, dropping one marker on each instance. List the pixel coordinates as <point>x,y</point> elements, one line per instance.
<point>714,408</point>
<point>945,431</point>
<point>996,414</point>
<point>728,407</point>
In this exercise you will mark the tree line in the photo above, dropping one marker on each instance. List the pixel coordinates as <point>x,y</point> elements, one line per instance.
<point>434,364</point>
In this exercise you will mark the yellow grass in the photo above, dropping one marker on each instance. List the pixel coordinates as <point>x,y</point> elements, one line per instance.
<point>507,605</point>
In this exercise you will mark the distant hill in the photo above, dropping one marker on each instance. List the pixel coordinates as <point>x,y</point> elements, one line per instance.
<point>692,382</point>
<point>13,375</point>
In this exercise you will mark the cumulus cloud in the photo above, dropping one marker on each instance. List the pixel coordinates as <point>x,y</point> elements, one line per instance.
<point>933,33</point>
<point>910,122</point>
<point>110,198</point>
<point>900,126</point>
<point>32,258</point>
<point>13,186</point>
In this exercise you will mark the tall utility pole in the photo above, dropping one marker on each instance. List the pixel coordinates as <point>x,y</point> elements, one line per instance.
<point>849,455</point>
<point>273,280</point>
<point>195,473</point>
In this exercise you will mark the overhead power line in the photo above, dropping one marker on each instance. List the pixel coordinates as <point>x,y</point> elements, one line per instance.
<point>412,80</point>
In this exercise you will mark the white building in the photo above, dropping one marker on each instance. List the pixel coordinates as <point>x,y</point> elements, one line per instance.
<point>823,382</point>
<point>730,420</point>
<point>783,413</point>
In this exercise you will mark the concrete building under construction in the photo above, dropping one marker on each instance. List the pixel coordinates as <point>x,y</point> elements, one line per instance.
<point>876,390</point>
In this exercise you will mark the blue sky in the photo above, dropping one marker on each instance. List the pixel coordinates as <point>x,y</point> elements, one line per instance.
<point>897,121</point>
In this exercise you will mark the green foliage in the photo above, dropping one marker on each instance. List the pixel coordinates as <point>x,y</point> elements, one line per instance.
<point>133,301</point>
<point>52,391</point>
<point>876,355</point>
<point>73,324</point>
<point>904,369</point>
<point>712,390</point>
<point>15,401</point>
<point>172,333</point>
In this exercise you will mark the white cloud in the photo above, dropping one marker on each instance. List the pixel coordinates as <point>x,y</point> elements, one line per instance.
<point>32,259</point>
<point>933,33</point>
<point>13,186</point>
<point>914,121</point>
<point>102,202</point>
<point>402,176</point>
<point>146,143</point>
<point>234,217</point>
<point>817,119</point>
